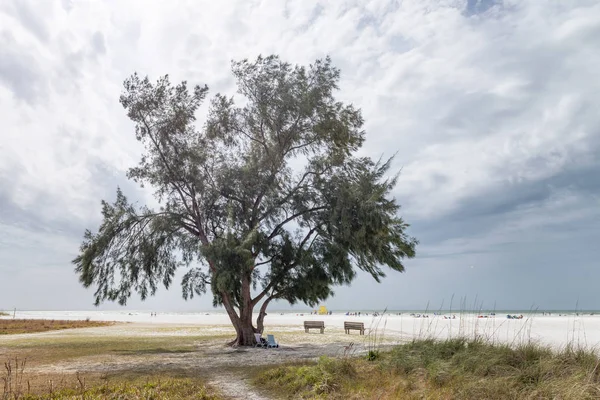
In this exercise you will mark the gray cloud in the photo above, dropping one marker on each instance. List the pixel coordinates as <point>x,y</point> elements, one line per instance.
<point>20,72</point>
<point>481,6</point>
<point>98,43</point>
<point>32,19</point>
<point>47,213</point>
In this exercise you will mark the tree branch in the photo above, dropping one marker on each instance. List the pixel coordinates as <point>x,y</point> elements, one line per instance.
<point>291,218</point>
<point>275,280</point>
<point>292,192</point>
<point>263,262</point>
<point>194,211</point>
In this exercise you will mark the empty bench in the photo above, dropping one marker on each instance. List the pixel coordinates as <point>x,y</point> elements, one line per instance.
<point>314,325</point>
<point>356,326</point>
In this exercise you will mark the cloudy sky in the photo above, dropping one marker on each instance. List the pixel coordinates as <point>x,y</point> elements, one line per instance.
<point>493,108</point>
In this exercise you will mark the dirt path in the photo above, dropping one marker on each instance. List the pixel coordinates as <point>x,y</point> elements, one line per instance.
<point>235,386</point>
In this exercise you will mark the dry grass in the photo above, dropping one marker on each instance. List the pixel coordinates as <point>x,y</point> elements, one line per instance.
<point>59,366</point>
<point>32,376</point>
<point>156,389</point>
<point>17,326</point>
<point>15,384</point>
<point>451,369</point>
<point>49,350</point>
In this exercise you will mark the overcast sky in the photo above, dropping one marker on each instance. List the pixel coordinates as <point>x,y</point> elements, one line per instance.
<point>492,107</point>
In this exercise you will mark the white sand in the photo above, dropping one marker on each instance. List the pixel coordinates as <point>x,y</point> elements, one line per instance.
<point>558,331</point>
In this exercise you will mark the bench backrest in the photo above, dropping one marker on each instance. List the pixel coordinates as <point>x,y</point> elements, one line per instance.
<point>316,324</point>
<point>354,325</point>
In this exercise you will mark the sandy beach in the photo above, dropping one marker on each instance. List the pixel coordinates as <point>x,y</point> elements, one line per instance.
<point>554,330</point>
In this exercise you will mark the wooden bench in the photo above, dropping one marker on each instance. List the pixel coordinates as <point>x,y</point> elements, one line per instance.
<point>314,325</point>
<point>357,326</point>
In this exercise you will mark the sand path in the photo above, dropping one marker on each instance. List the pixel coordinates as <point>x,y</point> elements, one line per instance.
<point>234,386</point>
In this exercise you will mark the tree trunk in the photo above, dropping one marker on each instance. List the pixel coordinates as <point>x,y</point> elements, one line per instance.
<point>242,323</point>
<point>260,327</point>
<point>245,332</point>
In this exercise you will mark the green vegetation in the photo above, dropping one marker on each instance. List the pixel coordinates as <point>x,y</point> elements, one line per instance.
<point>157,389</point>
<point>452,369</point>
<point>16,326</point>
<point>327,377</point>
<point>272,195</point>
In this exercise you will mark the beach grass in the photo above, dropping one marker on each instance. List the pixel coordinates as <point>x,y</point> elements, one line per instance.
<point>19,326</point>
<point>157,388</point>
<point>449,369</point>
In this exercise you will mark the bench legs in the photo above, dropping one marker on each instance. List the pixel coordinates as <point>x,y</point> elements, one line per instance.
<point>362,331</point>
<point>306,330</point>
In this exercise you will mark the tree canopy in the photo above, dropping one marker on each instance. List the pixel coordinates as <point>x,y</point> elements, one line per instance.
<point>266,200</point>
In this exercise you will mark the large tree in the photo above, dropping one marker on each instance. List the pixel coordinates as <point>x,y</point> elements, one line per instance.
<point>267,200</point>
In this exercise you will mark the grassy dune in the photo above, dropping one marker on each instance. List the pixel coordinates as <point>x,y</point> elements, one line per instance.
<point>16,326</point>
<point>451,369</point>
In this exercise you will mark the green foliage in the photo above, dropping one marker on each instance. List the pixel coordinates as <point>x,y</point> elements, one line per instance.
<point>372,355</point>
<point>270,195</point>
<point>134,250</point>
